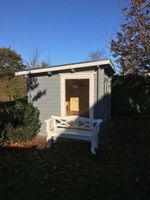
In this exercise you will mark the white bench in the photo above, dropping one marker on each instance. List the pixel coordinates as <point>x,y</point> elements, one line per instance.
<point>73,127</point>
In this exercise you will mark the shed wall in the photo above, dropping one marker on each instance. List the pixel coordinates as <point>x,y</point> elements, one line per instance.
<point>46,96</point>
<point>49,103</point>
<point>102,107</point>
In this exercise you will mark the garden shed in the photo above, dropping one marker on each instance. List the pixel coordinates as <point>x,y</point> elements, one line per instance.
<point>82,89</point>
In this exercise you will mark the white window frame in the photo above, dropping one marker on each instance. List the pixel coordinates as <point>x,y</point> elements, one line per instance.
<point>89,76</point>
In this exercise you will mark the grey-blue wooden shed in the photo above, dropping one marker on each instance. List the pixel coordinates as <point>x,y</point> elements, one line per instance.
<point>82,89</point>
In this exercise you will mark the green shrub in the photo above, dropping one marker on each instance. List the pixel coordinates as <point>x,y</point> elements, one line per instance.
<point>23,123</point>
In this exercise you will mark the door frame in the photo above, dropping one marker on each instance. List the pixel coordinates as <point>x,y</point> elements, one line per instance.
<point>65,76</point>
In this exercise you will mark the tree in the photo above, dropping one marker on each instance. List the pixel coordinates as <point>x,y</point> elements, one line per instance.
<point>95,55</point>
<point>35,61</point>
<point>11,87</point>
<point>131,47</point>
<point>10,62</point>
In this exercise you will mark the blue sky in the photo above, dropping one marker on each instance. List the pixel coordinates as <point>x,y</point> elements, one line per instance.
<point>64,31</point>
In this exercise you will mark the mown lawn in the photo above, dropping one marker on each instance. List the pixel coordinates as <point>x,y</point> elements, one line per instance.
<point>120,170</point>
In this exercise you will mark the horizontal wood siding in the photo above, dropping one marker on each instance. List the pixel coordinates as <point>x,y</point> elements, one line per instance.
<point>103,105</point>
<point>49,103</point>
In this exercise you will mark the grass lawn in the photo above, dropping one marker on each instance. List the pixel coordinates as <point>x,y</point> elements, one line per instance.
<point>120,170</point>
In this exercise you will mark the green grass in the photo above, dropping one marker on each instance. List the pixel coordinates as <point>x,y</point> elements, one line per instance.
<point>120,170</point>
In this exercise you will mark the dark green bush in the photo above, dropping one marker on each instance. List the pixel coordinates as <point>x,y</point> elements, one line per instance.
<point>21,121</point>
<point>4,117</point>
<point>130,95</point>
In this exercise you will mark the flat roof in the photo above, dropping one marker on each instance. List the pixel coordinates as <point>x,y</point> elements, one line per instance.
<point>67,66</point>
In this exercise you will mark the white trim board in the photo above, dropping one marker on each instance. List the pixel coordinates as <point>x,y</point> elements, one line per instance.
<point>80,73</point>
<point>65,67</point>
<point>63,77</point>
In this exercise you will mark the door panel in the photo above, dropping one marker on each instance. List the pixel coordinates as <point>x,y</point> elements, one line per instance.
<point>77,97</point>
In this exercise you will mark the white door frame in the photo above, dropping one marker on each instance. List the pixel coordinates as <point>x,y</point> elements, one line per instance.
<point>89,76</point>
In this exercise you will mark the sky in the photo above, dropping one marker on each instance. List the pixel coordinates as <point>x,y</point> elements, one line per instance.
<point>63,31</point>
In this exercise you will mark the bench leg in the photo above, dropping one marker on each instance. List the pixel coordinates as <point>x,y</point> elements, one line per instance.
<point>50,140</point>
<point>94,145</point>
<point>49,143</point>
<point>96,141</point>
<point>93,149</point>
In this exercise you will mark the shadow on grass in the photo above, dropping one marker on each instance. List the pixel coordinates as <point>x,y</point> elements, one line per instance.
<point>120,170</point>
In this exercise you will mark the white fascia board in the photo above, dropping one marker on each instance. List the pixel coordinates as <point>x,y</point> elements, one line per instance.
<point>65,67</point>
<point>112,65</point>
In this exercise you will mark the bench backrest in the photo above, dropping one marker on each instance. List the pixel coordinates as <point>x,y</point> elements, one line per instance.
<point>76,122</point>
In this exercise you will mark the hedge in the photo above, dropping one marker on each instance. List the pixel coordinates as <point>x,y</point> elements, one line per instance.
<point>130,95</point>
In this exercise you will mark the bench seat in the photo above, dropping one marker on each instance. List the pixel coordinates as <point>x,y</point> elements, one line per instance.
<point>75,134</point>
<point>73,127</point>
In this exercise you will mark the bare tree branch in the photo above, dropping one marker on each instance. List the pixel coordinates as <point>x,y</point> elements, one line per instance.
<point>95,55</point>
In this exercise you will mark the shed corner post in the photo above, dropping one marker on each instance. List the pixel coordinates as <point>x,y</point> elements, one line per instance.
<point>100,91</point>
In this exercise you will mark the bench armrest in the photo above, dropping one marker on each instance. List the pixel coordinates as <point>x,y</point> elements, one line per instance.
<point>98,122</point>
<point>97,127</point>
<point>50,124</point>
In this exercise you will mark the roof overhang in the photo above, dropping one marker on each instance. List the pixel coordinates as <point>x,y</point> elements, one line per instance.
<point>67,67</point>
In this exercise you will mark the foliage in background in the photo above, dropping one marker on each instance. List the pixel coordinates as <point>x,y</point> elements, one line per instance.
<point>131,48</point>
<point>10,62</point>
<point>11,87</point>
<point>130,94</point>
<point>19,120</point>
